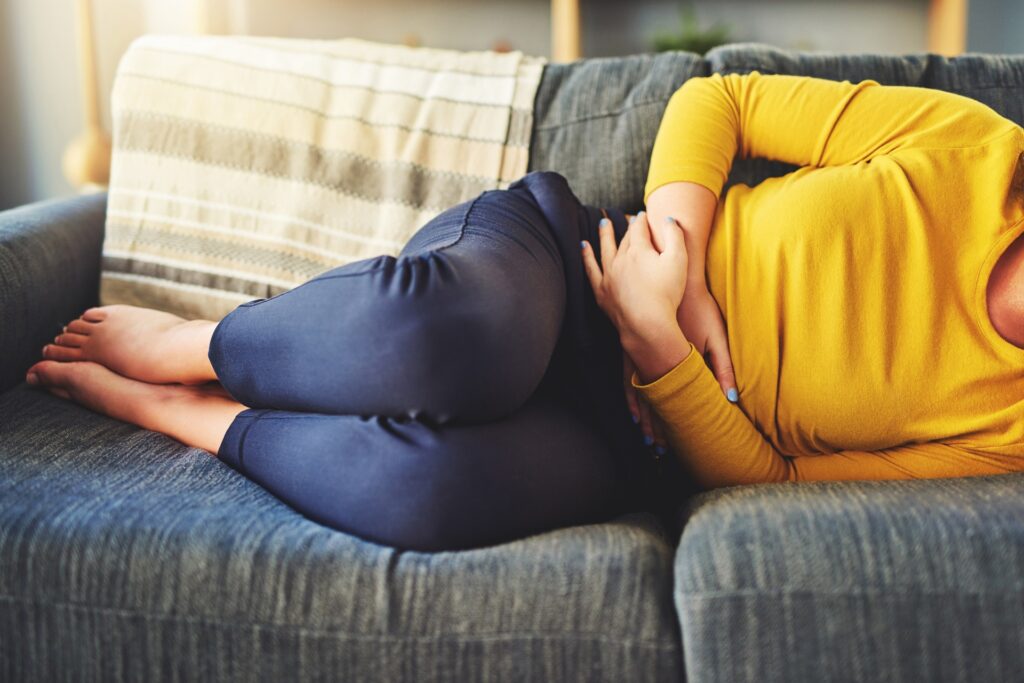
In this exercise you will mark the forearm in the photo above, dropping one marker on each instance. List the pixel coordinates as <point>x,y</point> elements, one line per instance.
<point>692,205</point>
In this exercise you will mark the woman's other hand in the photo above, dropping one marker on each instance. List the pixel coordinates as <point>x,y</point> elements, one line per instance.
<point>650,422</point>
<point>701,321</point>
<point>639,285</point>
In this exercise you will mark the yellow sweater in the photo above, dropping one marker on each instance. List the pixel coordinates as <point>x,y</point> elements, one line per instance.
<point>853,288</point>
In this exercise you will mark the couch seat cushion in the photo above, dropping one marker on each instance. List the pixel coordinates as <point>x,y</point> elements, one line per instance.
<point>854,581</point>
<point>127,556</point>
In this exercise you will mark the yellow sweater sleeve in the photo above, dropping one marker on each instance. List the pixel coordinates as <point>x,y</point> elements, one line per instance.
<point>805,121</point>
<point>719,445</point>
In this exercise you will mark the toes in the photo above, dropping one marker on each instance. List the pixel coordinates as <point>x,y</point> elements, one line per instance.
<point>79,326</point>
<point>61,353</point>
<point>50,376</point>
<point>95,315</point>
<point>46,373</point>
<point>70,339</point>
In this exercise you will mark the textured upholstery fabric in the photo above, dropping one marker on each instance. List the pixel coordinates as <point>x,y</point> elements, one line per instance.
<point>855,581</point>
<point>595,122</point>
<point>126,556</point>
<point>49,274</point>
<point>595,119</point>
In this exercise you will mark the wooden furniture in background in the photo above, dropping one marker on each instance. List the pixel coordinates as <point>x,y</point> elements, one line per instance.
<point>947,26</point>
<point>565,30</point>
<point>87,159</point>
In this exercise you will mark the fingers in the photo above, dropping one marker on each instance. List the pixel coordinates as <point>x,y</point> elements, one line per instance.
<point>668,235</point>
<point>660,439</point>
<point>632,396</point>
<point>608,249</point>
<point>721,365</point>
<point>645,422</point>
<point>639,232</point>
<point>654,431</point>
<point>591,268</point>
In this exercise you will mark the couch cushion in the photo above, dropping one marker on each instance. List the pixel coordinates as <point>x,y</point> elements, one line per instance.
<point>127,556</point>
<point>996,80</point>
<point>595,121</point>
<point>855,581</point>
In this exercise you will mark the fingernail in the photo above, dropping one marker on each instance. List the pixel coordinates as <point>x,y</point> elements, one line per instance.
<point>636,419</point>
<point>669,219</point>
<point>583,244</point>
<point>641,214</point>
<point>648,440</point>
<point>732,394</point>
<point>660,450</point>
<point>605,223</point>
<point>632,218</point>
<point>32,378</point>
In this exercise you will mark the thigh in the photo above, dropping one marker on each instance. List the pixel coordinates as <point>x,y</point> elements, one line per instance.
<point>418,486</point>
<point>460,326</point>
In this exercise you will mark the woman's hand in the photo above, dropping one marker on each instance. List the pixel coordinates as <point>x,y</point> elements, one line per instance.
<point>701,321</point>
<point>640,285</point>
<point>650,422</point>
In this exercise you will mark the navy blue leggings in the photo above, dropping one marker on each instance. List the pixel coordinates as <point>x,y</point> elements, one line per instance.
<point>465,393</point>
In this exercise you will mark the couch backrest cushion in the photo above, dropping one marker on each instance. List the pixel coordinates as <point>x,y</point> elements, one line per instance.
<point>596,119</point>
<point>245,166</point>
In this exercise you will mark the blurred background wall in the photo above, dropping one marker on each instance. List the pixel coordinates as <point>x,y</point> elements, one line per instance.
<point>40,107</point>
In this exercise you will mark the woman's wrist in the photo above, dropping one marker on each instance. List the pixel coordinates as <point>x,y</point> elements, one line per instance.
<point>656,351</point>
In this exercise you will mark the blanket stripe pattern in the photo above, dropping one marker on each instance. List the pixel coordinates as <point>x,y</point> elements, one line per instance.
<point>244,166</point>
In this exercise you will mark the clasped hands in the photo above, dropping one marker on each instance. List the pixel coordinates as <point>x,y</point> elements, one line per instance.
<point>658,307</point>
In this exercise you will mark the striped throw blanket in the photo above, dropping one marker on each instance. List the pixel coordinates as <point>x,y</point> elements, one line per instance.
<point>244,166</point>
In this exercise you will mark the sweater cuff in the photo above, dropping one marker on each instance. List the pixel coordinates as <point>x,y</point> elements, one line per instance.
<point>686,372</point>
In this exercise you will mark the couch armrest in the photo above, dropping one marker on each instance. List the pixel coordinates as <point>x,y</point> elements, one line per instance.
<point>50,255</point>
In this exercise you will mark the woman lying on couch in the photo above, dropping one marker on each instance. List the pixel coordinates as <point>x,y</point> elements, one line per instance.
<point>469,391</point>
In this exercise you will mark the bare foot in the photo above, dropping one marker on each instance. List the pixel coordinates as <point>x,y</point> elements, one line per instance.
<point>140,343</point>
<point>196,416</point>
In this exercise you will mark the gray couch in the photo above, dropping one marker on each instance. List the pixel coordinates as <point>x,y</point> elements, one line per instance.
<point>126,556</point>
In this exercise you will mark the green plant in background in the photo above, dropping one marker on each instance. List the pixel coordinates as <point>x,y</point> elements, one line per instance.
<point>692,38</point>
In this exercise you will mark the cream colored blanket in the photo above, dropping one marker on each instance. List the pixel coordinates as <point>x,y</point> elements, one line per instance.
<point>244,166</point>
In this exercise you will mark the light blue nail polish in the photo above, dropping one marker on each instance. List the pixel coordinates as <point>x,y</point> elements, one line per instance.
<point>636,420</point>
<point>732,394</point>
<point>648,440</point>
<point>669,219</point>
<point>632,218</point>
<point>583,244</point>
<point>605,223</point>
<point>660,450</point>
